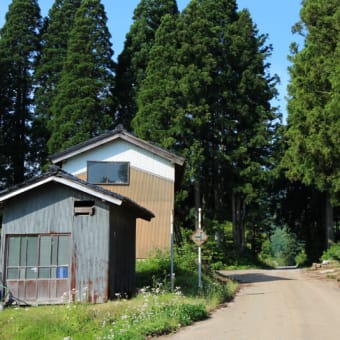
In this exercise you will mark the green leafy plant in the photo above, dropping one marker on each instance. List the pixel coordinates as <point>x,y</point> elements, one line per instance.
<point>332,253</point>
<point>283,249</point>
<point>155,310</point>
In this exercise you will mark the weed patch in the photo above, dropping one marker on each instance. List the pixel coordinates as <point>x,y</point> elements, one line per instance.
<point>155,310</point>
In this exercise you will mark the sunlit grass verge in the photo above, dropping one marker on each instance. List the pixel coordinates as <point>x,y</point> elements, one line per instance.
<point>154,272</point>
<point>125,319</point>
<point>156,309</point>
<point>152,312</point>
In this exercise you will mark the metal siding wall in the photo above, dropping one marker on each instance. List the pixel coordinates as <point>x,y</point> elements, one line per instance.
<point>2,258</point>
<point>157,195</point>
<point>91,255</point>
<point>122,252</point>
<point>50,209</point>
<point>36,211</point>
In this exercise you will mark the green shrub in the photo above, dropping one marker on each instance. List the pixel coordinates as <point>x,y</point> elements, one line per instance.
<point>283,249</point>
<point>154,273</point>
<point>155,268</point>
<point>301,258</point>
<point>332,253</point>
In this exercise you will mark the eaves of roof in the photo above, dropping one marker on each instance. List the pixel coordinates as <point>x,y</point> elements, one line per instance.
<point>55,174</point>
<point>118,133</point>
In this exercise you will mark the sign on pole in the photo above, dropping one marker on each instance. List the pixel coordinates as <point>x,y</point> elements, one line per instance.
<point>199,237</point>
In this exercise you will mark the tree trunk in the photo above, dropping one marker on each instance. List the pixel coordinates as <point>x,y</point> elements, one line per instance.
<point>329,222</point>
<point>238,216</point>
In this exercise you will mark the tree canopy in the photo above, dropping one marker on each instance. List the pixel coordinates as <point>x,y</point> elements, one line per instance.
<point>54,39</point>
<point>82,106</point>
<point>197,83</point>
<point>133,60</point>
<point>313,153</point>
<point>206,94</point>
<point>19,48</point>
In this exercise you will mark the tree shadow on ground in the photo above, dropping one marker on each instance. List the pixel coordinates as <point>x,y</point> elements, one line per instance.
<point>253,277</point>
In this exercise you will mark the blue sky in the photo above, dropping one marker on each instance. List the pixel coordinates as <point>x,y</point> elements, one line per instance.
<point>272,17</point>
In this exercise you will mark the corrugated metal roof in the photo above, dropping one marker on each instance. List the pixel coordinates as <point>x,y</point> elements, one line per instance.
<point>57,175</point>
<point>109,136</point>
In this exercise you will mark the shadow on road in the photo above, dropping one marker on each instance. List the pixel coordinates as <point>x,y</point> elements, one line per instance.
<point>252,277</point>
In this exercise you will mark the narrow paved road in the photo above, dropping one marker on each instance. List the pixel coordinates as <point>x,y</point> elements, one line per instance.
<point>273,305</point>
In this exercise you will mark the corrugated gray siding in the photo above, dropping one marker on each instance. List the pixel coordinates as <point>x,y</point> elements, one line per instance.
<point>122,252</point>
<point>50,209</point>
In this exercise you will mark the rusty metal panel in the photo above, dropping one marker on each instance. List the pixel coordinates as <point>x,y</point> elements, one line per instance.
<point>53,290</point>
<point>13,286</point>
<point>21,294</point>
<point>30,290</point>
<point>91,255</point>
<point>50,210</point>
<point>59,290</point>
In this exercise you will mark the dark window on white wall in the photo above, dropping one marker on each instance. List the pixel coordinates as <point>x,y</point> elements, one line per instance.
<point>108,172</point>
<point>38,257</point>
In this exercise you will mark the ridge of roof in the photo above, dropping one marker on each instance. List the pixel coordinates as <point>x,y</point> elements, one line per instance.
<point>118,132</point>
<point>55,171</point>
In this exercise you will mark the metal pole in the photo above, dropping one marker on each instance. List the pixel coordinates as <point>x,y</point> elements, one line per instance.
<point>199,252</point>
<point>172,274</point>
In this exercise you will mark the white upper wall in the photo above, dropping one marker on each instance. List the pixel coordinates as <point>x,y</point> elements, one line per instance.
<point>122,151</point>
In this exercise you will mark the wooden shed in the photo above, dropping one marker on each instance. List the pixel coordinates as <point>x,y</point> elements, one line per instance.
<point>119,161</point>
<point>64,239</point>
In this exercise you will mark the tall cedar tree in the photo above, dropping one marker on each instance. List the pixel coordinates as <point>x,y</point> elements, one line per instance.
<point>133,60</point>
<point>19,47</point>
<point>82,105</point>
<point>56,29</point>
<point>313,132</point>
<point>206,94</point>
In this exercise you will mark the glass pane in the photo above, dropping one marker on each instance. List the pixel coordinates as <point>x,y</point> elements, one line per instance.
<point>23,248</point>
<point>108,172</point>
<point>53,273</point>
<point>12,273</point>
<point>45,250</point>
<point>31,273</point>
<point>32,250</point>
<point>96,172</point>
<point>54,260</point>
<point>13,251</point>
<point>64,250</point>
<point>118,173</point>
<point>44,273</point>
<point>62,272</point>
<point>22,272</point>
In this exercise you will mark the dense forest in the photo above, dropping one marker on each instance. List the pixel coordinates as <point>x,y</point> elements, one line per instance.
<point>196,82</point>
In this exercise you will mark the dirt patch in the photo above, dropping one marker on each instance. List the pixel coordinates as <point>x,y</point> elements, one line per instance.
<point>328,271</point>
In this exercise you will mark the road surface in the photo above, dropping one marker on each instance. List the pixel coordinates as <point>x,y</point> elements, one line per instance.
<point>274,305</point>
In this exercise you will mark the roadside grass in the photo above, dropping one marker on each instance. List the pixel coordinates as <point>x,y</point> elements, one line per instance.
<point>137,318</point>
<point>155,310</point>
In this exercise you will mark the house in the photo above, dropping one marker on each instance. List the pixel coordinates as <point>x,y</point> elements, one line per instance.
<point>66,239</point>
<point>149,175</point>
